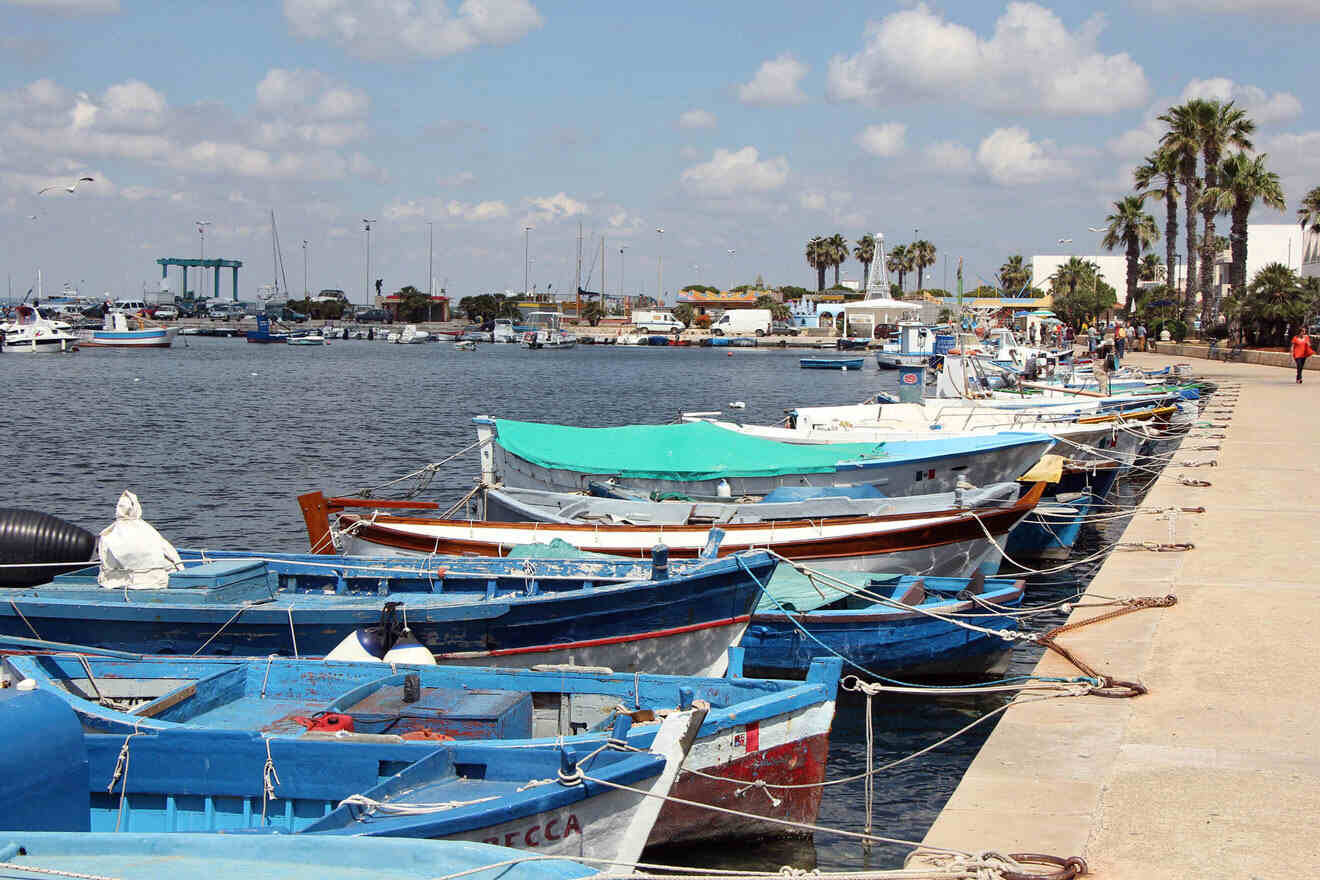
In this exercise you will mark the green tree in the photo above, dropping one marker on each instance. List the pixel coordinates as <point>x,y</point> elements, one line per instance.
<point>1223,126</point>
<point>1243,180</point>
<point>413,305</point>
<point>865,253</point>
<point>684,313</point>
<point>1182,141</point>
<point>1130,226</point>
<point>1308,212</point>
<point>899,263</point>
<point>1150,266</point>
<point>838,253</point>
<point>778,311</point>
<point>1275,301</point>
<point>818,258</point>
<point>480,308</point>
<point>789,291</point>
<point>593,312</point>
<point>923,255</point>
<point>1014,275</point>
<point>1157,177</point>
<point>1079,292</point>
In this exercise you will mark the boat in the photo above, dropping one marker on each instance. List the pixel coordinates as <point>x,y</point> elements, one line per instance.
<point>882,625</point>
<point>312,338</point>
<point>957,541</point>
<point>267,856</point>
<point>913,348</point>
<point>702,461</point>
<point>546,330</point>
<point>844,364</point>
<point>121,330</point>
<point>624,614</point>
<point>409,335</point>
<point>504,331</point>
<point>264,335</point>
<point>1051,530</point>
<point>465,345</point>
<point>775,731</point>
<point>603,804</point>
<point>31,333</point>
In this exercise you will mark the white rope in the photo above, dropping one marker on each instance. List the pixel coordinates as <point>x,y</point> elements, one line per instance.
<point>52,872</point>
<point>372,806</point>
<point>269,779</point>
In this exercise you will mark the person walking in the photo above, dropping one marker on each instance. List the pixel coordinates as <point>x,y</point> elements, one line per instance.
<point>1301,350</point>
<point>1120,343</point>
<point>1141,336</point>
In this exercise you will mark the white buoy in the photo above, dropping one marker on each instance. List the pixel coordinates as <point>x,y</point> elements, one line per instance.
<point>724,490</point>
<point>357,647</point>
<point>408,650</point>
<point>737,404</point>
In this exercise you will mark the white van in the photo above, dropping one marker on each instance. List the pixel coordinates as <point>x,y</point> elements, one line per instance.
<point>657,321</point>
<point>740,322</point>
<point>132,306</point>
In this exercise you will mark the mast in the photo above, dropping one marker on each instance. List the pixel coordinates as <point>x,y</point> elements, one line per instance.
<point>603,288</point>
<point>577,278</point>
<point>274,256</point>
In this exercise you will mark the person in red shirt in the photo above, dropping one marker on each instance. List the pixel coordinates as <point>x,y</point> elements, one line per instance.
<point>1301,350</point>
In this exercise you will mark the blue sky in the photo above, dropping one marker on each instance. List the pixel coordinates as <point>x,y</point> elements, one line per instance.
<point>994,128</point>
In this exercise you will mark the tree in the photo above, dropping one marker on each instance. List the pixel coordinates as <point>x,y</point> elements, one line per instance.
<point>1275,301</point>
<point>923,255</point>
<point>789,291</point>
<point>481,308</point>
<point>1183,142</point>
<point>1242,181</point>
<point>1079,292</point>
<point>865,253</point>
<point>818,258</point>
<point>778,311</point>
<point>1150,267</point>
<point>1157,177</point>
<point>1222,126</point>
<point>838,253</point>
<point>1130,226</point>
<point>684,313</point>
<point>593,311</point>
<point>1014,275</point>
<point>413,305</point>
<point>1308,212</point>
<point>899,263</point>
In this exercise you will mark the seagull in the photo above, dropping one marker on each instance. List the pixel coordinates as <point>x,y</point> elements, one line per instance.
<point>1093,229</point>
<point>68,189</point>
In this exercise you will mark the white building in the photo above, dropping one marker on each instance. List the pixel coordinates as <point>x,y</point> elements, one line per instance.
<point>1113,270</point>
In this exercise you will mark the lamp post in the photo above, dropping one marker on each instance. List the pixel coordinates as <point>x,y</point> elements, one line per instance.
<point>659,266</point>
<point>430,260</point>
<point>366,226</point>
<point>201,272</point>
<point>306,291</point>
<point>732,253</point>
<point>527,265</point>
<point>622,248</point>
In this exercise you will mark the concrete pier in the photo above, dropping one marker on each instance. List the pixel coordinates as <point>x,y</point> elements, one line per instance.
<point>1216,771</point>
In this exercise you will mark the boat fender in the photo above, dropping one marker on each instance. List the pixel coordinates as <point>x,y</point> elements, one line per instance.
<point>29,536</point>
<point>331,722</point>
<point>659,562</point>
<point>359,646</point>
<point>723,489</point>
<point>409,651</point>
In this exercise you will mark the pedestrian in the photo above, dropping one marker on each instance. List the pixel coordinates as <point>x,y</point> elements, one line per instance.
<point>1102,364</point>
<point>1301,350</point>
<point>1120,343</point>
<point>1141,336</point>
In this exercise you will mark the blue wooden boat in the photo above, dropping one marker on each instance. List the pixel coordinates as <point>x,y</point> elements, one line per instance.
<point>264,334</point>
<point>1051,530</point>
<point>627,615</point>
<point>788,721</point>
<point>269,857</point>
<point>863,619</point>
<point>844,364</point>
<point>559,799</point>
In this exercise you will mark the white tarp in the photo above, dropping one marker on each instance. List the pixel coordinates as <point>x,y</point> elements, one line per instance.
<point>134,556</point>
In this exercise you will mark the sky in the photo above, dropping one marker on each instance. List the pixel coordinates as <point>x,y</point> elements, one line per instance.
<point>741,129</point>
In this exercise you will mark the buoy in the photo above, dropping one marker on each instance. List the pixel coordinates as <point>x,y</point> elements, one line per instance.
<point>408,650</point>
<point>737,404</point>
<point>359,646</point>
<point>723,489</point>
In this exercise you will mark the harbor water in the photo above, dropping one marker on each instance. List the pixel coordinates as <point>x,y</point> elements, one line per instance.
<point>218,437</point>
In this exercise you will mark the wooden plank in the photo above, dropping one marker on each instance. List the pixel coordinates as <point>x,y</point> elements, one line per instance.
<point>155,707</point>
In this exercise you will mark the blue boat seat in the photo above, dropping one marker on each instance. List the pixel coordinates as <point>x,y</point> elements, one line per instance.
<point>807,493</point>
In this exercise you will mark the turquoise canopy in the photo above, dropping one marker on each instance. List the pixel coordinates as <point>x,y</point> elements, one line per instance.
<point>695,451</point>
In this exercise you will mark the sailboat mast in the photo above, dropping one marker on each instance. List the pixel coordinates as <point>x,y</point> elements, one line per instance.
<point>577,279</point>
<point>274,257</point>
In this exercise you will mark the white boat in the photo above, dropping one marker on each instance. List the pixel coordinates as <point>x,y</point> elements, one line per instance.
<point>915,345</point>
<point>30,333</point>
<point>632,339</point>
<point>123,330</point>
<point>465,345</point>
<point>313,338</point>
<point>547,331</point>
<point>410,335</point>
<point>504,331</point>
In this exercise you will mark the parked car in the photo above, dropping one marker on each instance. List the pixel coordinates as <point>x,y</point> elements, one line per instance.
<point>373,315</point>
<point>292,315</point>
<point>167,312</point>
<point>784,328</point>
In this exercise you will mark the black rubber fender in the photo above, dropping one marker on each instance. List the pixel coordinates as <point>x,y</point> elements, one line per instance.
<point>29,536</point>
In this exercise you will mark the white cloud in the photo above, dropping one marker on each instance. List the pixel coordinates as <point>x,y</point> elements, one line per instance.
<point>776,82</point>
<point>696,118</point>
<point>950,156</point>
<point>730,173</point>
<point>543,209</point>
<point>459,178</point>
<point>813,201</point>
<point>1031,62</point>
<point>69,7</point>
<point>404,210</point>
<point>883,140</point>
<point>1011,158</point>
<point>390,29</point>
<point>1261,106</point>
<point>309,94</point>
<point>134,106</point>
<point>478,212</point>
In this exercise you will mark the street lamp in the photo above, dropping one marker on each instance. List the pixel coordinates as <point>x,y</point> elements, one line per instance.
<point>527,265</point>
<point>366,225</point>
<point>306,291</point>
<point>201,272</point>
<point>430,262</point>
<point>732,254</point>
<point>659,266</point>
<point>621,269</point>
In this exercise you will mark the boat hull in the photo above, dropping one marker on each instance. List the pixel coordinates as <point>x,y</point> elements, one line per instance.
<point>154,338</point>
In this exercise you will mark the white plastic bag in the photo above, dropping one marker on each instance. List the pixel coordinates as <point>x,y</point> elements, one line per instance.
<point>134,556</point>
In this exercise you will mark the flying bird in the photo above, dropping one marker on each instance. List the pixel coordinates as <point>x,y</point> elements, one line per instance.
<point>68,189</point>
<point>1093,229</point>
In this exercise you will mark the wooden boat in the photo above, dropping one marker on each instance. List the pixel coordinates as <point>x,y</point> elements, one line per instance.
<point>619,613</point>
<point>1051,530</point>
<point>843,364</point>
<point>121,330</point>
<point>701,461</point>
<point>603,806</point>
<point>865,620</point>
<point>949,542</point>
<point>264,335</point>
<point>777,731</point>
<point>266,857</point>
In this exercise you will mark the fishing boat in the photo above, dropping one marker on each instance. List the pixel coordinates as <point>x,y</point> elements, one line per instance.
<point>504,331</point>
<point>411,334</point>
<point>776,731</point>
<point>31,333</point>
<point>264,335</point>
<point>844,364</point>
<point>913,348</point>
<point>266,856</point>
<point>900,626</point>
<point>701,461</point>
<point>1051,530</point>
<point>546,331</point>
<point>955,541</point>
<point>121,330</point>
<point>624,614</point>
<point>602,804</point>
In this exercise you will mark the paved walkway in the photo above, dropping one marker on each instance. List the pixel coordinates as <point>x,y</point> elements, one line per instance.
<point>1216,772</point>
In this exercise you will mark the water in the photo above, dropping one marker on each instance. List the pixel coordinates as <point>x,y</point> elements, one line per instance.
<point>217,437</point>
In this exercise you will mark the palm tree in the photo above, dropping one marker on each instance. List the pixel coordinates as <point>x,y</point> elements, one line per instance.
<point>1275,302</point>
<point>1157,177</point>
<point>838,246</point>
<point>865,253</point>
<point>1242,181</point>
<point>1068,275</point>
<point>899,263</point>
<point>818,259</point>
<point>1014,275</point>
<point>1222,126</point>
<point>1308,213</point>
<point>923,255</point>
<point>1150,267</point>
<point>1133,228</point>
<point>1183,142</point>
